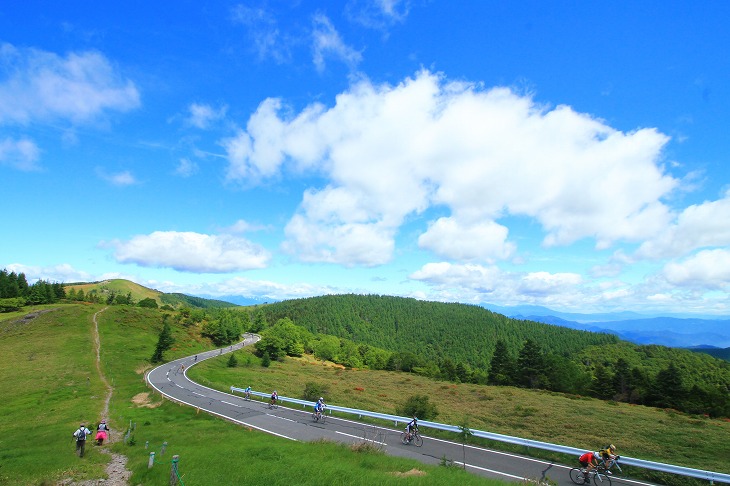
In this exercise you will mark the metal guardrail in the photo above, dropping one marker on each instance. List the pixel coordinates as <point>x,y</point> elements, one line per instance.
<point>710,476</point>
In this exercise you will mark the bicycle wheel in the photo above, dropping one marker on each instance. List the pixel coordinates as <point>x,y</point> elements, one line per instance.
<point>314,416</point>
<point>577,476</point>
<point>403,438</point>
<point>323,417</point>
<point>418,440</point>
<point>601,479</point>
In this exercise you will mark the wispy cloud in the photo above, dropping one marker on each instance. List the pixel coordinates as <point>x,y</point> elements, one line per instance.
<point>186,168</point>
<point>327,43</point>
<point>123,178</point>
<point>20,154</point>
<point>268,41</point>
<point>377,14</point>
<point>202,115</point>
<point>78,87</point>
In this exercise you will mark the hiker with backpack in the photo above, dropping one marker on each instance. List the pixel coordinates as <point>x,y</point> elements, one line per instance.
<point>102,432</point>
<point>80,436</point>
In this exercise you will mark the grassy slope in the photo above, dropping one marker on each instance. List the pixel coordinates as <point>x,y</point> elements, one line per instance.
<point>642,432</point>
<point>119,286</point>
<point>50,384</point>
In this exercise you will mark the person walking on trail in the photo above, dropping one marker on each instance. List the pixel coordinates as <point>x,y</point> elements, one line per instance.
<point>102,433</point>
<point>80,435</point>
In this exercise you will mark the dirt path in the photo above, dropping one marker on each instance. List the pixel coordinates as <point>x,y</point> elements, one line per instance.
<point>117,468</point>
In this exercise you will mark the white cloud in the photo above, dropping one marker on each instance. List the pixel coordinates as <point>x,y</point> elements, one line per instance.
<point>264,33</point>
<point>377,14</point>
<point>41,85</point>
<point>20,154</point>
<point>480,240</point>
<point>697,226</point>
<point>708,269</point>
<point>55,273</point>
<point>393,152</point>
<point>186,168</point>
<point>203,115</point>
<point>123,178</point>
<point>328,44</point>
<point>191,252</point>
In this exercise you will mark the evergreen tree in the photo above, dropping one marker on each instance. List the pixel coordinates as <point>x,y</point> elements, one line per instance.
<point>531,366</point>
<point>502,366</point>
<point>265,360</point>
<point>164,341</point>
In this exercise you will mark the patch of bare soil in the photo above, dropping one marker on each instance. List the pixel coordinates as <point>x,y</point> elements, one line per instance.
<point>143,400</point>
<point>21,321</point>
<point>412,472</point>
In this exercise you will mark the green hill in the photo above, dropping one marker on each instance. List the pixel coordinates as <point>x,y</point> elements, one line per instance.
<point>462,343</point>
<point>434,330</point>
<point>137,293</point>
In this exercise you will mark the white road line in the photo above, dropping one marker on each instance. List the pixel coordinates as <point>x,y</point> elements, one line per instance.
<point>492,471</point>
<point>282,418</point>
<point>199,394</point>
<point>356,437</point>
<point>229,403</point>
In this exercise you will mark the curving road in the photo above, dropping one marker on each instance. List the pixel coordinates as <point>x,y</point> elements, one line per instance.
<point>171,380</point>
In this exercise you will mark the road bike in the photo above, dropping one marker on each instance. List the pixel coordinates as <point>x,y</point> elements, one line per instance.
<point>415,438</point>
<point>247,396</point>
<point>601,474</point>
<point>319,416</point>
<point>273,403</point>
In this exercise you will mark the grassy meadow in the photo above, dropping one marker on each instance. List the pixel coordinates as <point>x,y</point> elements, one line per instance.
<point>49,385</point>
<point>638,431</point>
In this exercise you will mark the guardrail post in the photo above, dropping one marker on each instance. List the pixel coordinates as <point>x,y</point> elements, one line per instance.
<point>152,460</point>
<point>164,446</point>
<point>173,470</point>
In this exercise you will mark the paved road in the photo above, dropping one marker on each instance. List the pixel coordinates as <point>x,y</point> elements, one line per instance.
<point>171,380</point>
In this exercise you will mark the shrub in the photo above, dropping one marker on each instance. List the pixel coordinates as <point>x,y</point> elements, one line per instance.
<point>312,391</point>
<point>232,361</point>
<point>419,406</point>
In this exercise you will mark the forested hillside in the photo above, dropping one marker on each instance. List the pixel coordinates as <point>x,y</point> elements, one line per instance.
<point>433,330</point>
<point>470,344</point>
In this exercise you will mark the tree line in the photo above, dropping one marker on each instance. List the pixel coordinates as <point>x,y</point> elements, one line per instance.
<point>16,293</point>
<point>469,344</point>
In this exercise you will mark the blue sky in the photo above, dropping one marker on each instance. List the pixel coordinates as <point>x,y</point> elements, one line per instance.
<point>565,154</point>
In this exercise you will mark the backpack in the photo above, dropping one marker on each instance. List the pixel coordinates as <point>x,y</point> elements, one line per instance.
<point>81,435</point>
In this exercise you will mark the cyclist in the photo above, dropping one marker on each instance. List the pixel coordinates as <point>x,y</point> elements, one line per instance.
<point>247,393</point>
<point>589,460</point>
<point>319,406</point>
<point>274,397</point>
<point>608,454</point>
<point>411,427</point>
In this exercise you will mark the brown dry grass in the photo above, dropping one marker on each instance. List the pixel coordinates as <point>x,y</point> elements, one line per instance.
<point>581,422</point>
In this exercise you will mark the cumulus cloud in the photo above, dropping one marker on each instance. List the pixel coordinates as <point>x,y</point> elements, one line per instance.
<point>79,87</point>
<point>697,226</point>
<point>391,153</point>
<point>327,43</point>
<point>20,154</point>
<point>708,269</point>
<point>191,252</point>
<point>479,283</point>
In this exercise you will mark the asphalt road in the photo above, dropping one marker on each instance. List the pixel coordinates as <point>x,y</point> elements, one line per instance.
<point>171,380</point>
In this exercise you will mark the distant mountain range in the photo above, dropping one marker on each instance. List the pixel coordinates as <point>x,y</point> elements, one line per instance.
<point>705,333</point>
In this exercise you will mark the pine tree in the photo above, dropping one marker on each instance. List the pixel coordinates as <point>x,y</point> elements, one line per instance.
<point>164,342</point>
<point>502,366</point>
